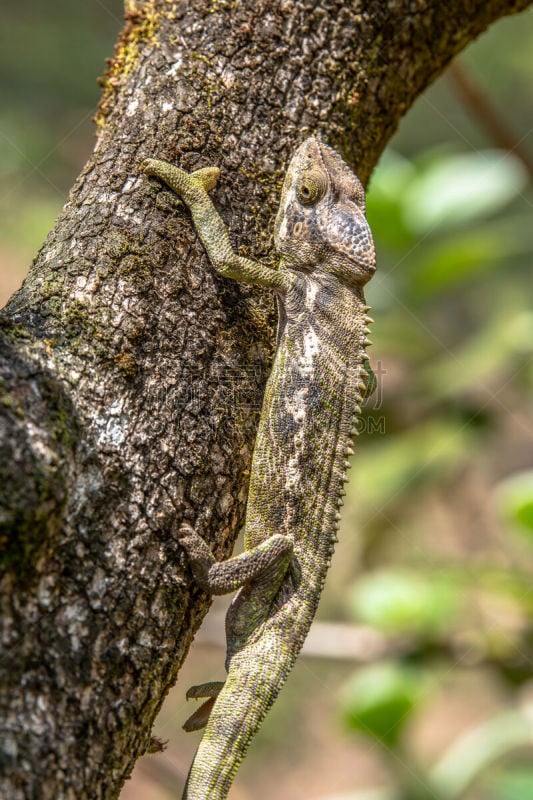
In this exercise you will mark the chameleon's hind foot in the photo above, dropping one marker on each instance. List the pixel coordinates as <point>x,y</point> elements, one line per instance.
<point>211,689</point>
<point>199,719</point>
<point>221,577</point>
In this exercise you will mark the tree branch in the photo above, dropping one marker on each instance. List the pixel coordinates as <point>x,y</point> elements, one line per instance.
<point>132,375</point>
<point>492,121</point>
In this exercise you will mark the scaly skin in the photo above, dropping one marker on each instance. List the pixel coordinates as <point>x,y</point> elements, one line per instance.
<point>312,401</point>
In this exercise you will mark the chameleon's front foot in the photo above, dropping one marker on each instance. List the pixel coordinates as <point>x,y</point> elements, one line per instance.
<point>185,184</point>
<point>193,190</point>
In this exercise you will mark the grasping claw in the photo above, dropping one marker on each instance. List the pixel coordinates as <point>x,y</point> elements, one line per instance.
<point>199,719</point>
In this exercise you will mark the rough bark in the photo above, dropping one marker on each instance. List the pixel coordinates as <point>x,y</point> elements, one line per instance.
<point>131,375</point>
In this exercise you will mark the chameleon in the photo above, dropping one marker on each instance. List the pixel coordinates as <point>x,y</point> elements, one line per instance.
<point>319,378</point>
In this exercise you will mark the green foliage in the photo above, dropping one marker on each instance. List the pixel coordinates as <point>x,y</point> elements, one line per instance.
<point>515,497</point>
<point>455,336</point>
<point>515,784</point>
<point>404,602</point>
<point>470,762</point>
<point>379,700</point>
<point>448,191</point>
<point>448,226</point>
<point>407,460</point>
<point>425,206</point>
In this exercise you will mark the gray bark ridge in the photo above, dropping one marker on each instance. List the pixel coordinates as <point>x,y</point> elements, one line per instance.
<point>131,376</point>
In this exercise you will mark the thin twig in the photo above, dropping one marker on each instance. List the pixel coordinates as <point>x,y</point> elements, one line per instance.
<point>477,102</point>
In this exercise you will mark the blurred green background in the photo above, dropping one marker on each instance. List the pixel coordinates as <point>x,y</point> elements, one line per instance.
<point>417,678</point>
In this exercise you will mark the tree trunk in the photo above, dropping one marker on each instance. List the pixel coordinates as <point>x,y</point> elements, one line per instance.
<point>131,375</point>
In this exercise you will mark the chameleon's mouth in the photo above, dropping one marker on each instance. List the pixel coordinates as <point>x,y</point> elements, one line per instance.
<point>367,266</point>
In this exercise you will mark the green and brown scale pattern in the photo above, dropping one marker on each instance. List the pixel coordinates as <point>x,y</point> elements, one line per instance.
<point>308,423</point>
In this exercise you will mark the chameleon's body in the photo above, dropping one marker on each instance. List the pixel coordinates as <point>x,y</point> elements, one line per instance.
<point>312,400</point>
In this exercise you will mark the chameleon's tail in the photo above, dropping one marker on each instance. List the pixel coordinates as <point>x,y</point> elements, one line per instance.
<point>248,693</point>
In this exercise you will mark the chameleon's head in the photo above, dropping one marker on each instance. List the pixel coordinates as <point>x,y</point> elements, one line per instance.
<point>321,218</point>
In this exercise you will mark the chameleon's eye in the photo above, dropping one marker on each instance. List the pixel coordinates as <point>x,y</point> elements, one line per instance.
<point>312,188</point>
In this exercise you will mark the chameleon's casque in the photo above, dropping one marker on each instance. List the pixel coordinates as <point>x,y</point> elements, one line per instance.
<point>308,421</point>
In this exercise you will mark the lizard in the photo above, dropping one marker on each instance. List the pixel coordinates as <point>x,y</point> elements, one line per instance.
<point>312,401</point>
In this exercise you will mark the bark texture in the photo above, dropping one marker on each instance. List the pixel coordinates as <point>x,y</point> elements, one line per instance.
<point>131,376</point>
